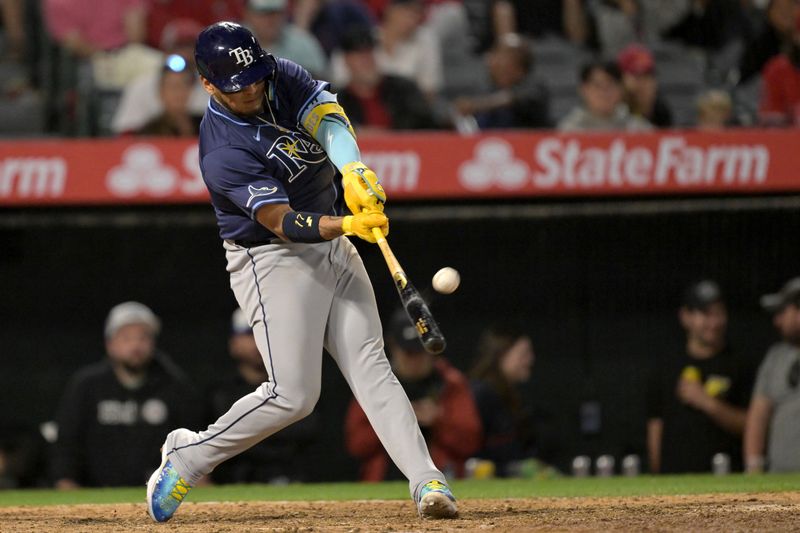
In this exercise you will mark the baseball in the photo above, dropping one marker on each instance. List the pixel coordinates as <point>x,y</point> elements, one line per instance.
<point>446,280</point>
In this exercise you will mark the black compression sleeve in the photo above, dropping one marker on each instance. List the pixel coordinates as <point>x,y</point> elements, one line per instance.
<point>301,227</point>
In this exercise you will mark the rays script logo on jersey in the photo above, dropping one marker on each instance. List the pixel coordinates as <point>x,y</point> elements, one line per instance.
<point>295,152</point>
<point>256,192</point>
<point>242,55</point>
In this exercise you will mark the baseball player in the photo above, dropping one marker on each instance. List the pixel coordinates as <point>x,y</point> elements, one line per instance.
<point>279,157</point>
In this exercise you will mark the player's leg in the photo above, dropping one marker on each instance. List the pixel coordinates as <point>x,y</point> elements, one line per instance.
<point>286,290</point>
<point>354,339</point>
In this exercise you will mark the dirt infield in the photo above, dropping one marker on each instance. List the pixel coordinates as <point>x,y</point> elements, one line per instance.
<point>727,512</point>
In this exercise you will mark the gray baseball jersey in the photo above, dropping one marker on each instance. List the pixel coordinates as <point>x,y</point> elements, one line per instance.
<point>298,297</point>
<point>779,380</point>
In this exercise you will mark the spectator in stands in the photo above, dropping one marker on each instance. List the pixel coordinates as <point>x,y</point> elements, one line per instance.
<point>110,34</point>
<point>442,402</point>
<point>409,49</point>
<point>374,101</point>
<point>140,102</point>
<point>114,414</point>
<point>268,19</point>
<point>14,29</point>
<point>772,435</point>
<point>175,89</point>
<point>614,24</point>
<point>511,434</point>
<point>697,397</point>
<point>770,40</point>
<point>603,107</point>
<point>641,87</point>
<point>279,459</point>
<point>566,19</point>
<point>517,99</point>
<point>327,20</point>
<point>162,13</point>
<point>714,110</point>
<point>780,92</point>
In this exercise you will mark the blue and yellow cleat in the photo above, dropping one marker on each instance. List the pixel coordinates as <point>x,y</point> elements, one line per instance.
<point>166,489</point>
<point>436,501</point>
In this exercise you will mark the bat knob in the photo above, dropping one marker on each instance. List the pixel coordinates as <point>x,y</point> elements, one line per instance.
<point>434,345</point>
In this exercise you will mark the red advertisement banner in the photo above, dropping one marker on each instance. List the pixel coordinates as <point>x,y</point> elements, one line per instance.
<point>425,166</point>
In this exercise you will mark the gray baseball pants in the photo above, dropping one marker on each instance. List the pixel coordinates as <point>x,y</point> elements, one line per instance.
<point>300,298</point>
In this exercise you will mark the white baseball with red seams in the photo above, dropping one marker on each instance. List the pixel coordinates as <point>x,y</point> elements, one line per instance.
<point>446,280</point>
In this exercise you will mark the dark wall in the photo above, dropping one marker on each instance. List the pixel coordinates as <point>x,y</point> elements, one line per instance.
<point>598,294</point>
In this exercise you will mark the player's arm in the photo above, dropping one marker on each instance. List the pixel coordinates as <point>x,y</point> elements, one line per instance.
<point>327,122</point>
<point>729,417</point>
<point>755,433</point>
<point>294,226</point>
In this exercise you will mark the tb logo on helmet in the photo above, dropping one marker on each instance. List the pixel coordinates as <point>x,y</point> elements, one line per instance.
<point>242,55</point>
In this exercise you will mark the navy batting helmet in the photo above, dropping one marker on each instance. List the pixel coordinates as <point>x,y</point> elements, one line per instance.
<point>229,56</point>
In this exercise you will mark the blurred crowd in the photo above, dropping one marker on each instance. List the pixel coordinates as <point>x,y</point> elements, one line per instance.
<point>709,407</point>
<point>124,67</point>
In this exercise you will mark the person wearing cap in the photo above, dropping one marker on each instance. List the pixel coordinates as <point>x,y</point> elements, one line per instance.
<point>268,20</point>
<point>279,459</point>
<point>639,83</point>
<point>697,397</point>
<point>772,435</point>
<point>141,100</point>
<point>377,101</point>
<point>115,413</point>
<point>442,401</point>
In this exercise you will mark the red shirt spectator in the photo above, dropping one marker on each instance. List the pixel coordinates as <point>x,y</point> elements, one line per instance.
<point>98,25</point>
<point>452,437</point>
<point>161,12</point>
<point>780,97</point>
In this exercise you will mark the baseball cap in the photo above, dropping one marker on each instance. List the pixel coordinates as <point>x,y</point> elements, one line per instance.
<point>128,313</point>
<point>702,294</point>
<point>789,293</point>
<point>403,333</point>
<point>239,323</point>
<point>266,5</point>
<point>636,59</point>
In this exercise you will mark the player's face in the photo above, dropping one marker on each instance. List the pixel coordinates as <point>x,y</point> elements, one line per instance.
<point>243,348</point>
<point>132,346</point>
<point>517,362</point>
<point>787,322</point>
<point>247,102</point>
<point>706,326</point>
<point>601,93</point>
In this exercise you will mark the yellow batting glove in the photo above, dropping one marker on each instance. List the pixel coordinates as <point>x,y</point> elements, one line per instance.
<point>362,189</point>
<point>361,224</point>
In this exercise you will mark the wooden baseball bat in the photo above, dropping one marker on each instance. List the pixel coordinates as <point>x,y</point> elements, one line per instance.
<point>416,308</point>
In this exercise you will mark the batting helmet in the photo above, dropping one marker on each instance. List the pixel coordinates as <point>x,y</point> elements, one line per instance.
<point>229,56</point>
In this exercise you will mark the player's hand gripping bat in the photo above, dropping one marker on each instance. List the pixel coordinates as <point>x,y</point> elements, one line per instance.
<point>416,308</point>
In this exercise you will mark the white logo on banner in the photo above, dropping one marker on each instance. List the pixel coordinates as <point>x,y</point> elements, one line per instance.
<point>242,55</point>
<point>142,170</point>
<point>494,163</point>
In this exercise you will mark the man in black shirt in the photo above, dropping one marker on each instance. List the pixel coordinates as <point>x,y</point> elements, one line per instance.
<point>115,414</point>
<point>696,403</point>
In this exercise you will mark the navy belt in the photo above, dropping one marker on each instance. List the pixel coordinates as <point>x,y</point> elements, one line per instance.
<point>253,244</point>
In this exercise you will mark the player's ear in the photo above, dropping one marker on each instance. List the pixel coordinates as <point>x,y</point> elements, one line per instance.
<point>207,85</point>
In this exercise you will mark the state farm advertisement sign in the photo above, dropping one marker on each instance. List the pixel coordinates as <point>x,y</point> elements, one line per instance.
<point>440,165</point>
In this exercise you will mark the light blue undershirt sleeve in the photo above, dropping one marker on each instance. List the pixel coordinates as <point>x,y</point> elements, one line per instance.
<point>338,142</point>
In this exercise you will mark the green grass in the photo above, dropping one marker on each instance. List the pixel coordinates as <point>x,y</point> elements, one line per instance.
<point>515,488</point>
